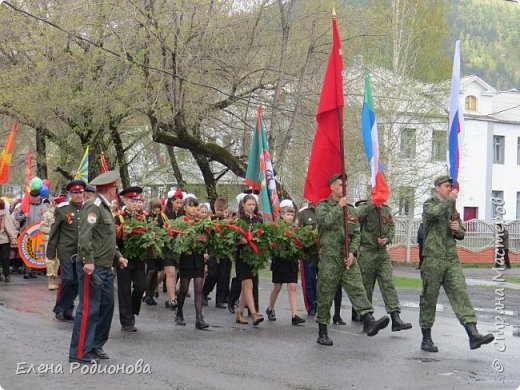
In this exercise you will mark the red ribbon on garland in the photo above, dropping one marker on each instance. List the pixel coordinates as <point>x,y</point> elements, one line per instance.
<point>246,234</point>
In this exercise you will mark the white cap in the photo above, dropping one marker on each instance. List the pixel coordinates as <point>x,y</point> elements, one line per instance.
<point>286,203</point>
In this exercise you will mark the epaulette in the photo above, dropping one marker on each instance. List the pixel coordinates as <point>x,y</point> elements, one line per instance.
<point>97,202</point>
<point>63,204</point>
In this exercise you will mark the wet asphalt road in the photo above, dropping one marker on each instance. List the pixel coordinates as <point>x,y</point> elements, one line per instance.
<point>275,355</point>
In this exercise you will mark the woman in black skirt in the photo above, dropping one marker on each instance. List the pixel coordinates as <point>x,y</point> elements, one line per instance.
<point>285,271</point>
<point>154,264</point>
<point>191,267</point>
<point>172,210</point>
<point>247,212</point>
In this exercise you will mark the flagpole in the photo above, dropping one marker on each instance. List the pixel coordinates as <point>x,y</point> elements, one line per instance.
<point>343,175</point>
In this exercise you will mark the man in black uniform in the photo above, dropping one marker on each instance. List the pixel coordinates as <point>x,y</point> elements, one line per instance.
<point>63,244</point>
<point>133,275</point>
<point>97,251</point>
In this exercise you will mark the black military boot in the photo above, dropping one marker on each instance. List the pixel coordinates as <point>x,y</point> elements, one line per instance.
<point>323,336</point>
<point>398,324</point>
<point>179,318</point>
<point>427,342</point>
<point>371,326</point>
<point>200,323</point>
<point>475,338</point>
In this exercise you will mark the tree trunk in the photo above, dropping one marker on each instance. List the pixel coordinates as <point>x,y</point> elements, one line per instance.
<point>209,179</point>
<point>41,154</point>
<point>120,154</point>
<point>175,166</point>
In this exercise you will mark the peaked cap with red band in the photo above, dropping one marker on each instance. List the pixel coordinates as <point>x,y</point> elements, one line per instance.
<point>132,193</point>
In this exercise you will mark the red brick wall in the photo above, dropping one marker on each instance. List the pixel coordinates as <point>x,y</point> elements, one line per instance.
<point>398,254</point>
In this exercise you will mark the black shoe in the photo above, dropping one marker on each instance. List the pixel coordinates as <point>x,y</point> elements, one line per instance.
<point>156,294</point>
<point>150,301</point>
<point>476,340</point>
<point>179,318</point>
<point>174,304</point>
<point>372,326</point>
<point>427,342</point>
<point>60,317</point>
<point>88,359</point>
<point>355,316</point>
<point>188,295</point>
<point>337,320</point>
<point>26,276</point>
<point>270,314</point>
<point>204,300</point>
<point>323,336</point>
<point>231,308</point>
<point>297,320</point>
<point>397,323</point>
<point>99,353</point>
<point>7,279</point>
<point>200,323</point>
<point>32,275</point>
<point>220,305</point>
<point>69,317</point>
<point>128,328</point>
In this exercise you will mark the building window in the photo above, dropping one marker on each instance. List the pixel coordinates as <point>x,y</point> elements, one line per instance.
<point>406,200</point>
<point>518,151</point>
<point>408,143</point>
<point>518,205</point>
<point>495,202</point>
<point>499,142</point>
<point>470,103</point>
<point>439,142</point>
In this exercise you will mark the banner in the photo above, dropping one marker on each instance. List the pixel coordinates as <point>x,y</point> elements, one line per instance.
<point>32,246</point>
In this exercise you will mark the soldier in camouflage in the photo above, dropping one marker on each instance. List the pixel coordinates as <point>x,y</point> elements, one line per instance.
<point>338,268</point>
<point>441,266</point>
<point>377,231</point>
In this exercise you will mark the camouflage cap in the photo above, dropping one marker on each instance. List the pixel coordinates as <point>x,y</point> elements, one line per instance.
<point>335,177</point>
<point>442,179</point>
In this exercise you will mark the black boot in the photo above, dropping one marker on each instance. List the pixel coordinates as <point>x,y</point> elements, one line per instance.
<point>427,342</point>
<point>337,320</point>
<point>179,318</point>
<point>323,336</point>
<point>398,324</point>
<point>200,323</point>
<point>475,338</point>
<point>371,327</point>
<point>355,316</point>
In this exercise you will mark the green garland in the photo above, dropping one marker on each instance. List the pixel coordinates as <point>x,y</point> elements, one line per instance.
<point>257,244</point>
<point>143,239</point>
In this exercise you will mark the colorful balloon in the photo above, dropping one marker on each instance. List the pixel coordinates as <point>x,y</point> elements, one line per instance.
<point>46,182</point>
<point>44,190</point>
<point>36,183</point>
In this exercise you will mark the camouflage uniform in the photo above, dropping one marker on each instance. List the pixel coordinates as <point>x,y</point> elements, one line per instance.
<point>441,266</point>
<point>374,261</point>
<point>333,272</point>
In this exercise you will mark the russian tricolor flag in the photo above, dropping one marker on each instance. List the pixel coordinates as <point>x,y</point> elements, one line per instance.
<point>380,190</point>
<point>456,123</point>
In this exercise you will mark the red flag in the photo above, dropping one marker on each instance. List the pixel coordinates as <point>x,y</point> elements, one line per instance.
<point>104,165</point>
<point>26,202</point>
<point>6,155</point>
<point>325,157</point>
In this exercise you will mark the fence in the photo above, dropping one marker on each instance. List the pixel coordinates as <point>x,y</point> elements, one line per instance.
<point>478,244</point>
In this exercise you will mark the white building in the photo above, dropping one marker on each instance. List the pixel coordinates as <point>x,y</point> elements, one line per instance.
<point>490,165</point>
<point>414,121</point>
